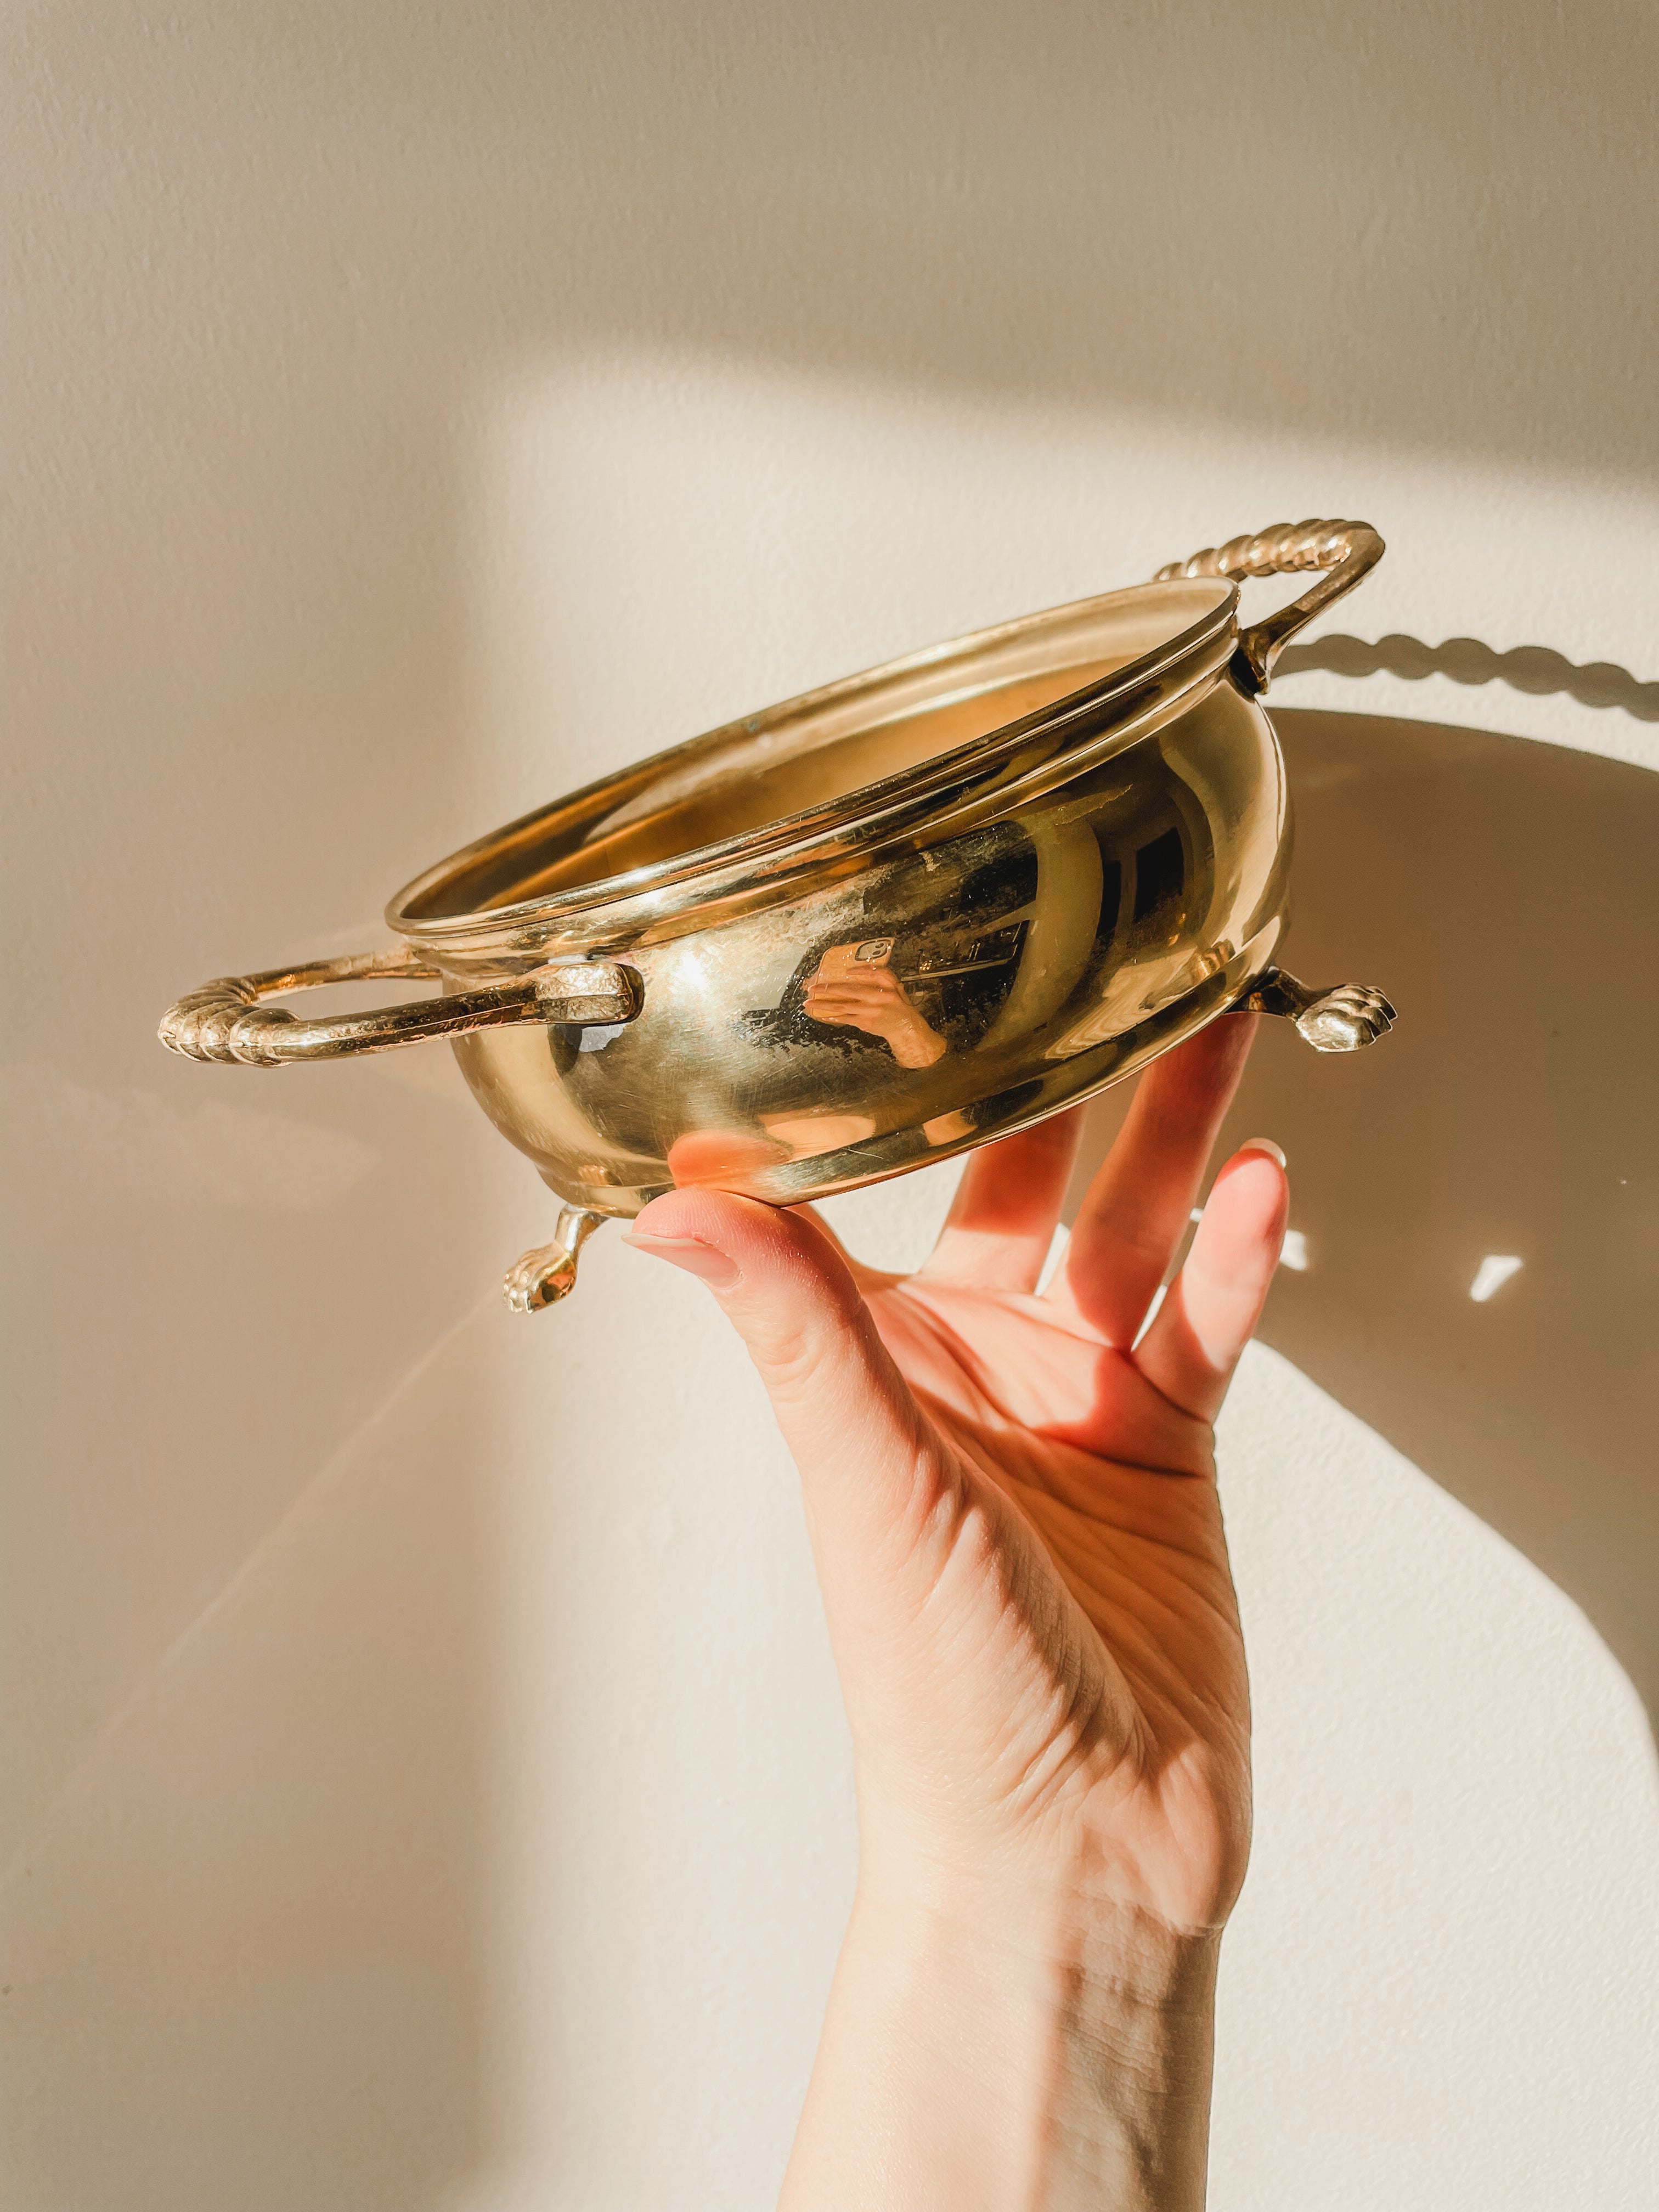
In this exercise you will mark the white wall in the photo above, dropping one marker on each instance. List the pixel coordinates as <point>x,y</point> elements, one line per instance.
<point>427,1782</point>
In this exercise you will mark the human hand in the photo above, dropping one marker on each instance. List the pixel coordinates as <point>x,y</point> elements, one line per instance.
<point>874,999</point>
<point>1013,1511</point>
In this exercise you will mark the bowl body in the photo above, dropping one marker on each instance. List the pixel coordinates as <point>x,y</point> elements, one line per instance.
<point>887,921</point>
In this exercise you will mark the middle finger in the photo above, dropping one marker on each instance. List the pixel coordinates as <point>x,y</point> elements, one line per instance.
<point>1002,1221</point>
<point>1137,1206</point>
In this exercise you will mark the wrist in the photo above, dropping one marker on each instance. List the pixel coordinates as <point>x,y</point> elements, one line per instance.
<point>999,2053</point>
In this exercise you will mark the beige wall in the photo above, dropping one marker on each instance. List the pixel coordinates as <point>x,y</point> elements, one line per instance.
<point>426,1782</point>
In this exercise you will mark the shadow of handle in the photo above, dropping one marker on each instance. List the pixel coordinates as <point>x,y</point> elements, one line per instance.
<point>1531,668</point>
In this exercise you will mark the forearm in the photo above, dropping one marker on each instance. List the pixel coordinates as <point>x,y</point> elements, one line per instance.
<point>974,2063</point>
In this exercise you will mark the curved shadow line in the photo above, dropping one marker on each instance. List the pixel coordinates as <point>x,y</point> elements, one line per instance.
<point>1531,668</point>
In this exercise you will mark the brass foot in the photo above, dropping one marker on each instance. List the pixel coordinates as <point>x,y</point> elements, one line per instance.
<point>544,1276</point>
<point>1336,1017</point>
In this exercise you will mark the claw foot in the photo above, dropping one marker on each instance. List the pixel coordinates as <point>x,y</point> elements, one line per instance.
<point>544,1276</point>
<point>1346,1018</point>
<point>1340,1017</point>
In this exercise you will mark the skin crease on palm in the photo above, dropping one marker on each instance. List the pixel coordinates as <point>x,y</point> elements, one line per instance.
<point>1013,1511</point>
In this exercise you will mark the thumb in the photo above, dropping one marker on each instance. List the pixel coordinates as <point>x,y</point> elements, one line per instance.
<point>867,1457</point>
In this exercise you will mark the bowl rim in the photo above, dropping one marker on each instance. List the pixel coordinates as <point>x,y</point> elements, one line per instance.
<point>1097,719</point>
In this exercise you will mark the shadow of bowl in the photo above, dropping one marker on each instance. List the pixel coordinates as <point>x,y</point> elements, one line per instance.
<point>1502,893</point>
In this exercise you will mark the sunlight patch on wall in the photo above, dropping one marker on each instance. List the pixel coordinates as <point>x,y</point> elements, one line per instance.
<point>1491,1274</point>
<point>661,540</point>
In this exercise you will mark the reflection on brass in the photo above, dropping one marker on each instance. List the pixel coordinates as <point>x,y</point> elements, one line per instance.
<point>1334,1018</point>
<point>871,927</point>
<point>854,988</point>
<point>544,1276</point>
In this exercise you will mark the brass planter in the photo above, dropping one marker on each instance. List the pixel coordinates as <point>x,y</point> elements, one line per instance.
<point>884,923</point>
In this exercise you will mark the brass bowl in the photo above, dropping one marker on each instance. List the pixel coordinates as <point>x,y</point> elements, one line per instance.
<point>872,927</point>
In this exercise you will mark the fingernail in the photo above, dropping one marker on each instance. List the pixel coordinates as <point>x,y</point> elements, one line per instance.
<point>693,1254</point>
<point>1263,1145</point>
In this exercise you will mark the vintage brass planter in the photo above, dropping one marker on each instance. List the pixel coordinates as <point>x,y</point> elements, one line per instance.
<point>873,927</point>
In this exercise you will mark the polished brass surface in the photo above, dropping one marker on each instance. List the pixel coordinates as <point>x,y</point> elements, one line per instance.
<point>873,927</point>
<point>805,794</point>
<point>1017,967</point>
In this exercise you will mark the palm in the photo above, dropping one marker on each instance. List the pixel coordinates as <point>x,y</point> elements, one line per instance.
<point>1012,1496</point>
<point>1130,1565</point>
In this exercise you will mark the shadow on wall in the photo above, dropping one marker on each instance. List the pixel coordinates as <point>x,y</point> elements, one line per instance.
<point>1534,669</point>
<point>1092,199</point>
<point>1502,893</point>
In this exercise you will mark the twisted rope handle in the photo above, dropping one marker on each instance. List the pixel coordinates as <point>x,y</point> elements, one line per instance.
<point>225,1020</point>
<point>1344,550</point>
